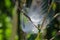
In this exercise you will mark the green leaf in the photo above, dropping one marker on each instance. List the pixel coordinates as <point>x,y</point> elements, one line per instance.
<point>8,32</point>
<point>1,31</point>
<point>1,37</point>
<point>7,3</point>
<point>54,33</point>
<point>54,6</point>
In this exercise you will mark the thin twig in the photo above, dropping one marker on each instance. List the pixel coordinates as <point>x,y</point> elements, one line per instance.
<point>30,19</point>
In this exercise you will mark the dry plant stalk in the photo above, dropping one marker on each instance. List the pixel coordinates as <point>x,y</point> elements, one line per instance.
<point>42,27</point>
<point>14,22</point>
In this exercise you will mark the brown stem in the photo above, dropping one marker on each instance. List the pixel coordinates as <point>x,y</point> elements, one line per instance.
<point>14,20</point>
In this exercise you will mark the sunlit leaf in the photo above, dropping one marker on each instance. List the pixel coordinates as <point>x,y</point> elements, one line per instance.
<point>1,37</point>
<point>1,31</point>
<point>7,3</point>
<point>54,6</point>
<point>7,19</point>
<point>8,32</point>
